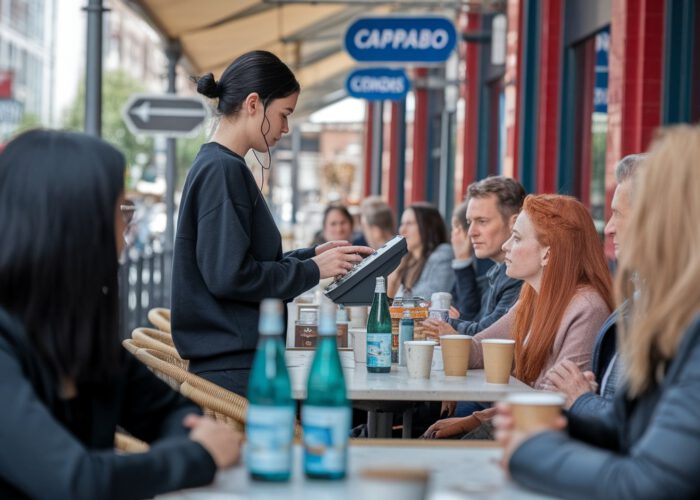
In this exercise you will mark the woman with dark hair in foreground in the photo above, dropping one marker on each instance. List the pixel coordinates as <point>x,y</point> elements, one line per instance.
<point>65,382</point>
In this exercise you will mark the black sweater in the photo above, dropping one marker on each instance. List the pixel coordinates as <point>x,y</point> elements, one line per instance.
<point>53,448</point>
<point>228,258</point>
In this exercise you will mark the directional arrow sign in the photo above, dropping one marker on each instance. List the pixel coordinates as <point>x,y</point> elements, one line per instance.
<point>165,115</point>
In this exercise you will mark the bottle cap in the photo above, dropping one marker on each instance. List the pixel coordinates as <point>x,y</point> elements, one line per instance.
<point>271,317</point>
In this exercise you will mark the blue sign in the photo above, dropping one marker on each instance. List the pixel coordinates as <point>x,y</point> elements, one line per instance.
<point>378,84</point>
<point>401,39</point>
<point>600,89</point>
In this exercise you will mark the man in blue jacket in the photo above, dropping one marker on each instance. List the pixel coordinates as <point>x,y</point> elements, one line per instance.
<point>494,204</point>
<point>591,392</point>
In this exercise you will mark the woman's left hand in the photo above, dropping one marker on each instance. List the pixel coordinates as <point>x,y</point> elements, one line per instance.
<point>330,245</point>
<point>510,438</point>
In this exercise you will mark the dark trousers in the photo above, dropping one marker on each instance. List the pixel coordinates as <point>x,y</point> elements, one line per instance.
<point>233,380</point>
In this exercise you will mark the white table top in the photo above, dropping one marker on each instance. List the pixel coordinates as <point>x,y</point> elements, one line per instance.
<point>396,386</point>
<point>455,473</point>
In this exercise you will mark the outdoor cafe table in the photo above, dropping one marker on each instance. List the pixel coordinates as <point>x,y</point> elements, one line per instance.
<point>458,470</point>
<point>384,393</point>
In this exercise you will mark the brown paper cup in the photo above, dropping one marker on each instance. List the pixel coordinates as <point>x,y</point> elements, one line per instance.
<point>455,354</point>
<point>535,410</point>
<point>498,359</point>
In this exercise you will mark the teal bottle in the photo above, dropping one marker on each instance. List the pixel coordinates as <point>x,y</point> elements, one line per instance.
<point>270,421</point>
<point>379,331</point>
<point>326,415</point>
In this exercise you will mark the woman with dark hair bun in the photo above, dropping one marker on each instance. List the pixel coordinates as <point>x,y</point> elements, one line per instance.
<point>65,382</point>
<point>228,250</point>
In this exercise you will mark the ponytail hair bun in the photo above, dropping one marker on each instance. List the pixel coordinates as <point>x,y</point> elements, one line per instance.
<point>208,86</point>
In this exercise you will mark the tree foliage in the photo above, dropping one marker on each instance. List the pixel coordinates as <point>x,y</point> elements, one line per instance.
<point>117,87</point>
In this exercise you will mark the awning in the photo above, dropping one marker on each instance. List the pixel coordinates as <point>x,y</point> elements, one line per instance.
<point>307,36</point>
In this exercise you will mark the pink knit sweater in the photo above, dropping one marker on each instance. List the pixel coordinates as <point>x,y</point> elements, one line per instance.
<point>577,331</point>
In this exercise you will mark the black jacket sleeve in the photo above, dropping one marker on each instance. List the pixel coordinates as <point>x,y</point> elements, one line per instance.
<point>42,459</point>
<point>150,409</point>
<point>663,461</point>
<point>505,302</point>
<point>301,253</point>
<point>466,293</point>
<point>231,272</point>
<point>591,404</point>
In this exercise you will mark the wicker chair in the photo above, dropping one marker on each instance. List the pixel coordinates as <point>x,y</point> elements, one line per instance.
<point>149,338</point>
<point>171,369</point>
<point>130,346</point>
<point>160,317</point>
<point>129,444</point>
<point>220,404</point>
<point>159,335</point>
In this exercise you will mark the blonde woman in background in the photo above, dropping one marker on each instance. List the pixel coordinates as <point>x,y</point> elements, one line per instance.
<point>650,446</point>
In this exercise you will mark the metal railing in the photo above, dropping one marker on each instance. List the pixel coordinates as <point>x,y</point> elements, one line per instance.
<point>144,283</point>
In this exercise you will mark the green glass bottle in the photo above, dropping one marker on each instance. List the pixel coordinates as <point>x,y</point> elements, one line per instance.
<point>326,415</point>
<point>379,331</point>
<point>270,421</point>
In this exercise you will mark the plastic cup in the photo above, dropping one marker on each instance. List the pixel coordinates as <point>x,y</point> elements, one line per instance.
<point>441,314</point>
<point>455,354</point>
<point>419,357</point>
<point>498,359</point>
<point>535,410</point>
<point>359,344</point>
<point>441,300</point>
<point>437,365</point>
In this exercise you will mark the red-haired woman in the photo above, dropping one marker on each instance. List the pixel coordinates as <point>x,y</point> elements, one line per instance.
<point>565,299</point>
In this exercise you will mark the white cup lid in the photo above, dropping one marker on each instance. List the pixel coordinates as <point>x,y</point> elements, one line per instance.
<point>455,337</point>
<point>497,341</point>
<point>420,342</point>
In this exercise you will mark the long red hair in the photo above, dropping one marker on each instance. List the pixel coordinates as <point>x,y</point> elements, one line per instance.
<point>575,260</point>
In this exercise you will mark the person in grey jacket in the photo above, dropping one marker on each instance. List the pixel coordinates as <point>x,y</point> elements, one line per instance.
<point>426,268</point>
<point>650,446</point>
<point>591,392</point>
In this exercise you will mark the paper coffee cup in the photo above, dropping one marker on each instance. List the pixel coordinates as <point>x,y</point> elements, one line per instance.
<point>535,410</point>
<point>455,354</point>
<point>359,344</point>
<point>419,357</point>
<point>498,359</point>
<point>403,483</point>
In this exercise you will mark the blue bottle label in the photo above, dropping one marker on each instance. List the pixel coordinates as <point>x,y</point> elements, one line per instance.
<point>326,431</point>
<point>378,350</point>
<point>269,432</point>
